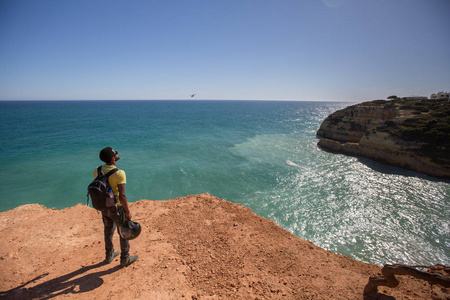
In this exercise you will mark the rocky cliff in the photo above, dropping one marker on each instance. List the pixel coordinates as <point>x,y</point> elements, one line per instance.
<point>413,134</point>
<point>195,247</point>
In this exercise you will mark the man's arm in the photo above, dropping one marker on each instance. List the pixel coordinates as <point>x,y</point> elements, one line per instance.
<point>123,199</point>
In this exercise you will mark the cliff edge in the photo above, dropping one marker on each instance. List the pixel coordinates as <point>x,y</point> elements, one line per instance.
<point>410,133</point>
<point>195,247</point>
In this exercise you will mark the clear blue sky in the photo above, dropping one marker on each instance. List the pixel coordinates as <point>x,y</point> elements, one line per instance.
<point>351,50</point>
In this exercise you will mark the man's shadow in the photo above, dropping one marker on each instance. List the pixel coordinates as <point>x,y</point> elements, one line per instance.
<point>66,284</point>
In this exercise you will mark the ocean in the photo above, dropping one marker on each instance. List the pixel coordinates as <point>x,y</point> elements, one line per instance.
<point>262,154</point>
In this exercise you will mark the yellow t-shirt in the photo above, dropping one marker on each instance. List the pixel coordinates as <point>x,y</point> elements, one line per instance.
<point>118,177</point>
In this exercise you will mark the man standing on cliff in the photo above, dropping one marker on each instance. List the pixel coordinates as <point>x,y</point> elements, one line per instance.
<point>116,215</point>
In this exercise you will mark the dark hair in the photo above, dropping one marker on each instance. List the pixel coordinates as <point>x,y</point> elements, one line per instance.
<point>107,154</point>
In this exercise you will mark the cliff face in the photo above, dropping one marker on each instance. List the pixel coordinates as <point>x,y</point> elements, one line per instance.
<point>195,247</point>
<point>413,134</point>
<point>350,124</point>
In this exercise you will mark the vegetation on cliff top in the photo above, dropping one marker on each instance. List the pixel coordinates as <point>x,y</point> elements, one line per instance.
<point>430,125</point>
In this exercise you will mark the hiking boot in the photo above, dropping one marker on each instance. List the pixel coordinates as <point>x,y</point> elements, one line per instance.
<point>128,261</point>
<point>110,258</point>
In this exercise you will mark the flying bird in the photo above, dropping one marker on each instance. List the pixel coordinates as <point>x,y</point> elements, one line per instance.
<point>192,96</point>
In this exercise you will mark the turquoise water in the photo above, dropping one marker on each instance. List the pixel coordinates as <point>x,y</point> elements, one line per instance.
<point>262,154</point>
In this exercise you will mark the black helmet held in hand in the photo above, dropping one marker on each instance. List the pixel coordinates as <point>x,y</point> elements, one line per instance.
<point>130,230</point>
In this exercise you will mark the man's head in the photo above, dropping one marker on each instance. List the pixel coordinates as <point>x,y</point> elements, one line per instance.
<point>107,154</point>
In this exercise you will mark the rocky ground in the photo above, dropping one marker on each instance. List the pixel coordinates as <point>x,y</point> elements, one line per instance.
<point>195,247</point>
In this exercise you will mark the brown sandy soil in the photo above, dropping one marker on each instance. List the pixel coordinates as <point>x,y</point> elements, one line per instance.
<point>195,247</point>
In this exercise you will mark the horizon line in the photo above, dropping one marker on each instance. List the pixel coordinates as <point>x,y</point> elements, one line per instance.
<point>193,100</point>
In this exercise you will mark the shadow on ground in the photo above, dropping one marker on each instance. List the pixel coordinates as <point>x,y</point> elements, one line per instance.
<point>67,284</point>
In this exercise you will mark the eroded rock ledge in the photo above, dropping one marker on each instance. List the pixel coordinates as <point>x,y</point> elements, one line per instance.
<point>194,247</point>
<point>412,134</point>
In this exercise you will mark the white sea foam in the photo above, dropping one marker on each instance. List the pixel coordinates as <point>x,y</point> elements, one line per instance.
<point>291,163</point>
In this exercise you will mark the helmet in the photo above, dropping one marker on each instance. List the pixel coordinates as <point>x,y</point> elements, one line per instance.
<point>130,230</point>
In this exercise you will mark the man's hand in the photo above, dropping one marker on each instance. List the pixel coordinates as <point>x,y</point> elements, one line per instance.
<point>123,200</point>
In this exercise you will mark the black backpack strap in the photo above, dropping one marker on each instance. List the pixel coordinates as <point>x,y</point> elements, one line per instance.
<point>99,171</point>
<point>111,172</point>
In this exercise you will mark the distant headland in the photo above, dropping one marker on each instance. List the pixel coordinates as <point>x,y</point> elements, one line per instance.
<point>409,132</point>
